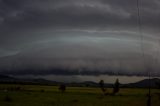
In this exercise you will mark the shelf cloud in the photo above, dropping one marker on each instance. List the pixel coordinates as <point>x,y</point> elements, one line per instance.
<point>71,37</point>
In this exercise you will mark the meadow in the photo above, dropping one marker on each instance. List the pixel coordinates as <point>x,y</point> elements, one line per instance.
<point>38,95</point>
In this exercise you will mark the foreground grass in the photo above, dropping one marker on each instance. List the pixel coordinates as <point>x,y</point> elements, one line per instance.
<point>35,95</point>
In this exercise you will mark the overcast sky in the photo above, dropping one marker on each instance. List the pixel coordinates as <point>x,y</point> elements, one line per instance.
<point>79,37</point>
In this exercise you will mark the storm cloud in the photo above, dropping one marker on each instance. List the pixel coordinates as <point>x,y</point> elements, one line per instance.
<point>71,37</point>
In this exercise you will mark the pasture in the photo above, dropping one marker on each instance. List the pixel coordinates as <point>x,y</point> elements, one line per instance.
<point>38,95</point>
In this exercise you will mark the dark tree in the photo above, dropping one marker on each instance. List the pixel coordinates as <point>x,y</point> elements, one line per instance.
<point>149,100</point>
<point>116,87</point>
<point>157,84</point>
<point>7,98</point>
<point>62,88</point>
<point>101,84</point>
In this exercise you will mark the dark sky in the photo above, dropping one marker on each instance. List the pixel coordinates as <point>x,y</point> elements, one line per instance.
<point>79,37</point>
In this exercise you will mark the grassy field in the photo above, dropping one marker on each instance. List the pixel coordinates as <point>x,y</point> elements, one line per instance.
<point>36,95</point>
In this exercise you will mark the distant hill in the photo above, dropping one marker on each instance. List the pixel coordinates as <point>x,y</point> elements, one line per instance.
<point>144,83</point>
<point>155,82</point>
<point>6,78</point>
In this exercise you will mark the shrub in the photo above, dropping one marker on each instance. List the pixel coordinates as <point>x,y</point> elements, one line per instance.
<point>62,88</point>
<point>116,87</point>
<point>101,84</point>
<point>7,98</point>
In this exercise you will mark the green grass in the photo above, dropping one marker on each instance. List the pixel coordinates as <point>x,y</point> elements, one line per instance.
<point>32,95</point>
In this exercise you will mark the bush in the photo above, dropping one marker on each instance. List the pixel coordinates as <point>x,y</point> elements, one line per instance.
<point>42,90</point>
<point>7,98</point>
<point>62,88</point>
<point>116,87</point>
<point>101,84</point>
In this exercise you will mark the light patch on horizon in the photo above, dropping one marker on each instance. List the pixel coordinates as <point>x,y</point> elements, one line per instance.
<point>80,78</point>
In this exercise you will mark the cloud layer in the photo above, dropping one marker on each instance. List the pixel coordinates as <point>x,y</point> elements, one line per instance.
<point>81,36</point>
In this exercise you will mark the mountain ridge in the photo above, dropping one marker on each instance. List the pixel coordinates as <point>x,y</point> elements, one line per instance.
<point>154,82</point>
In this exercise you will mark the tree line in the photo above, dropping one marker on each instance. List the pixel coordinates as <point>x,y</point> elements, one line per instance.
<point>116,87</point>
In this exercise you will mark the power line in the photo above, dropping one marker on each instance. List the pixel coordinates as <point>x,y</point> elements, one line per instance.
<point>142,49</point>
<point>140,31</point>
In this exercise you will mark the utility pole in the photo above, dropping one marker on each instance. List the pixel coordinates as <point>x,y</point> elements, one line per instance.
<point>143,55</point>
<point>149,90</point>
